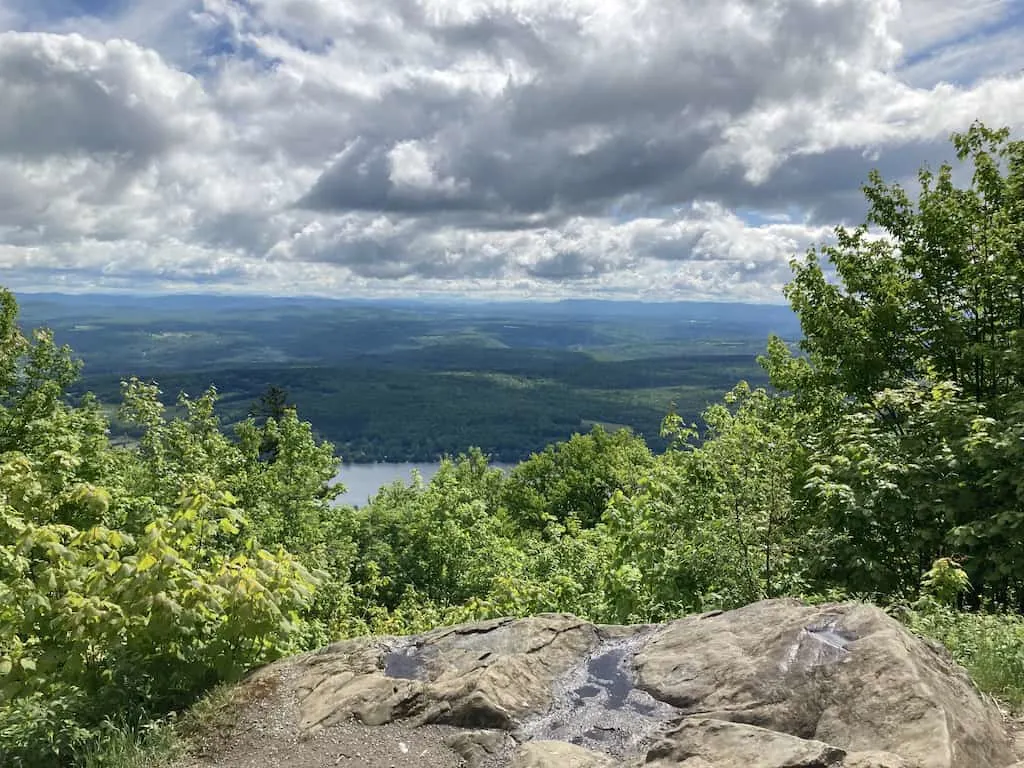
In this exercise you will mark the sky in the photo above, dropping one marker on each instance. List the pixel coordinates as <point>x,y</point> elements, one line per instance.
<point>655,149</point>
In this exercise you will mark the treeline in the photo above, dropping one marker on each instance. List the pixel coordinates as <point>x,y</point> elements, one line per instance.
<point>882,464</point>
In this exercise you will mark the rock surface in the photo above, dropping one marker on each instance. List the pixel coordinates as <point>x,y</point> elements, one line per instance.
<point>776,684</point>
<point>559,754</point>
<point>844,675</point>
<point>725,744</point>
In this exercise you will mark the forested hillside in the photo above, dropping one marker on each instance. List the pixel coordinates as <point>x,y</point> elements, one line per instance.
<point>412,380</point>
<point>882,464</point>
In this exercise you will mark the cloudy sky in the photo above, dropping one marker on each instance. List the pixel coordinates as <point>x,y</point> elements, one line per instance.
<point>652,148</point>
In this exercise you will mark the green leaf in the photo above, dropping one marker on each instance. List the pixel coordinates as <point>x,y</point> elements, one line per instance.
<point>226,526</point>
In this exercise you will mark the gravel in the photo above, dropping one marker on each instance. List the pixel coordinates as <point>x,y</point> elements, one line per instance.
<point>265,734</point>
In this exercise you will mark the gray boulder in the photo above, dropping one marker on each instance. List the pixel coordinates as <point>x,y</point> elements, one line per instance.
<point>777,684</point>
<point>846,675</point>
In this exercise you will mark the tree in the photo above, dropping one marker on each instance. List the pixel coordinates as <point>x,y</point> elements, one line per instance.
<point>272,404</point>
<point>443,542</point>
<point>131,580</point>
<point>268,411</point>
<point>931,289</point>
<point>911,378</point>
<point>577,477</point>
<point>712,523</point>
<point>35,374</point>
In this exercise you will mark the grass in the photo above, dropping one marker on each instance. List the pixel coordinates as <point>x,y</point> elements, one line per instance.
<point>990,646</point>
<point>161,744</point>
<point>123,746</point>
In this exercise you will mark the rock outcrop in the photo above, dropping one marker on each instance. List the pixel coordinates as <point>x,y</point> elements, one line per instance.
<point>777,684</point>
<point>849,676</point>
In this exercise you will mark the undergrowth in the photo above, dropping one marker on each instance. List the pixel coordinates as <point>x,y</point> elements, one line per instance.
<point>163,743</point>
<point>990,646</point>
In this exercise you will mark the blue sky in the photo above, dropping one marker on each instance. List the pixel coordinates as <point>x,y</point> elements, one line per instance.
<point>662,149</point>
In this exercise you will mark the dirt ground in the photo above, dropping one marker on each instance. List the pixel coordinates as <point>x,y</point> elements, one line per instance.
<point>261,732</point>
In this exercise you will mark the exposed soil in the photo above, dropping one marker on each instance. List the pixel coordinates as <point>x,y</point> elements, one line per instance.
<point>264,734</point>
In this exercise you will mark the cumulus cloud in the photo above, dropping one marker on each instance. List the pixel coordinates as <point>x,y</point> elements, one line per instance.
<point>652,148</point>
<point>65,95</point>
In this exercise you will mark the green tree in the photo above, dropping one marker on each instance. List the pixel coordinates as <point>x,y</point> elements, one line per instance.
<point>287,502</point>
<point>910,382</point>
<point>130,580</point>
<point>746,467</point>
<point>441,544</point>
<point>271,408</point>
<point>35,417</point>
<point>272,404</point>
<point>576,478</point>
<point>714,523</point>
<point>890,496</point>
<point>931,288</point>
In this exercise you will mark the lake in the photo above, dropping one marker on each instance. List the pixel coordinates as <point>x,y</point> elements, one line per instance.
<point>362,481</point>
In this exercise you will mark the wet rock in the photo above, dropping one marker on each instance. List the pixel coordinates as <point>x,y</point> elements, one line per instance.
<point>846,675</point>
<point>775,684</point>
<point>598,706</point>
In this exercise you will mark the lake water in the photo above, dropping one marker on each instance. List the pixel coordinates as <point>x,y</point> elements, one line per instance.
<point>362,481</point>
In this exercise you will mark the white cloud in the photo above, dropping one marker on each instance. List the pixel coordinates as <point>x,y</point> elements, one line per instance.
<point>542,146</point>
<point>64,94</point>
<point>924,24</point>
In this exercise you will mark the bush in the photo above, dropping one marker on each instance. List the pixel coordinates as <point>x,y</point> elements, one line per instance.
<point>97,622</point>
<point>132,580</point>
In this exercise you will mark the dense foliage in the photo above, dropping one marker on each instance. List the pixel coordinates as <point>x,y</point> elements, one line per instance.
<point>883,464</point>
<point>131,580</point>
<point>911,385</point>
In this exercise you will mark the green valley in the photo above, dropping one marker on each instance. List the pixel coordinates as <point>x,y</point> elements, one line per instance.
<point>415,380</point>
